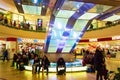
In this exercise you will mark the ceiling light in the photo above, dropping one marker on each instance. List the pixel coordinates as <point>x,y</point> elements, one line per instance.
<point>58,8</point>
<point>19,3</point>
<point>50,28</point>
<point>43,6</point>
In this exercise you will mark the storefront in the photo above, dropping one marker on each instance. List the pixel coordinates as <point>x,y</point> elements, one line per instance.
<point>2,46</point>
<point>112,44</point>
<point>8,43</point>
<point>35,45</point>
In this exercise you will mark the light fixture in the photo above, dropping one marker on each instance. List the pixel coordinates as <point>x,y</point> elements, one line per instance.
<point>93,40</point>
<point>19,3</point>
<point>66,29</point>
<point>59,25</point>
<point>58,8</point>
<point>50,29</point>
<point>35,1</point>
<point>43,6</point>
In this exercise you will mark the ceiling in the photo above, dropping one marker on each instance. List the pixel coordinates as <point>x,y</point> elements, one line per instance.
<point>47,7</point>
<point>69,19</point>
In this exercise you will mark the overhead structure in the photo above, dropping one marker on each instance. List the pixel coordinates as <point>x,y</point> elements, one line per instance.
<point>69,21</point>
<point>35,7</point>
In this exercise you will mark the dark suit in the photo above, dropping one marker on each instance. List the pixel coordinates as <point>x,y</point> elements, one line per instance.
<point>98,63</point>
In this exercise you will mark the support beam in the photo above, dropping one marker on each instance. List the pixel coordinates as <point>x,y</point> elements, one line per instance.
<point>103,2</point>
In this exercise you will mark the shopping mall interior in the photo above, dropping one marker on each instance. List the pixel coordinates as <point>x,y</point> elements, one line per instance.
<point>68,29</point>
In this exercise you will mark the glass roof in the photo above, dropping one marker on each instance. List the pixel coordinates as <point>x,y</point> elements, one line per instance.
<point>32,9</point>
<point>70,24</point>
<point>71,5</point>
<point>65,13</point>
<point>88,16</point>
<point>112,18</point>
<point>99,8</point>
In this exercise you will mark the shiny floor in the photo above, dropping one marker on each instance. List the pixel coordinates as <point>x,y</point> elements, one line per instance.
<point>10,73</point>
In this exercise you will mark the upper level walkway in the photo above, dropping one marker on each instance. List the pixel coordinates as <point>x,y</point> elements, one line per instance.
<point>103,32</point>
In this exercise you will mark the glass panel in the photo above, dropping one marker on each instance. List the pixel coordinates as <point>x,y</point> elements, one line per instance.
<point>70,42</point>
<point>88,16</point>
<point>79,25</point>
<point>99,8</point>
<point>65,13</point>
<point>74,35</point>
<point>60,23</point>
<point>112,18</point>
<point>71,5</point>
<point>52,49</point>
<point>32,9</point>
<point>66,49</point>
<point>53,42</point>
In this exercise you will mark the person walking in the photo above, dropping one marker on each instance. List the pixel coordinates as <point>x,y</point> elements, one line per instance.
<point>5,55</point>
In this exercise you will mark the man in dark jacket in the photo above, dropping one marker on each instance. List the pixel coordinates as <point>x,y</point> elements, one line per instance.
<point>99,63</point>
<point>14,59</point>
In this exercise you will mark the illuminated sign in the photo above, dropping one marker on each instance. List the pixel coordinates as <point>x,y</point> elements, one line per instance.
<point>116,38</point>
<point>30,40</point>
<point>93,40</point>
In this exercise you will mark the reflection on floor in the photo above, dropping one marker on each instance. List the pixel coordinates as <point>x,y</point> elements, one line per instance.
<point>9,73</point>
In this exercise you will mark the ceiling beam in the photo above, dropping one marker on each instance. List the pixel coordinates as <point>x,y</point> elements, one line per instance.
<point>45,4</point>
<point>19,6</point>
<point>103,2</point>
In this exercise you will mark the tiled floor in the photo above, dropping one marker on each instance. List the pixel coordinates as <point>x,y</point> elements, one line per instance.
<point>9,73</point>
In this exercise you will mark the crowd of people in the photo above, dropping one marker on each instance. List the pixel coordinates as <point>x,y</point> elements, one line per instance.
<point>21,60</point>
<point>18,24</point>
<point>40,63</point>
<point>37,62</point>
<point>96,61</point>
